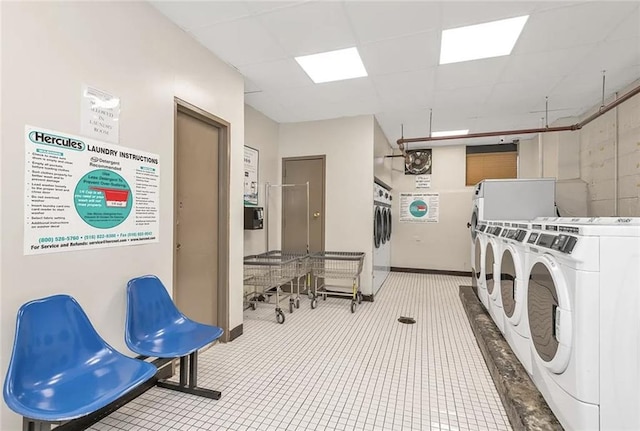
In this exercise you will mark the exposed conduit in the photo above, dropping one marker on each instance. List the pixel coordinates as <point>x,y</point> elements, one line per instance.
<point>616,181</point>
<point>603,109</point>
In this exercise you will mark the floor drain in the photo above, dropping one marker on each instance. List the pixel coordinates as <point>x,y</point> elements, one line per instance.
<point>407,320</point>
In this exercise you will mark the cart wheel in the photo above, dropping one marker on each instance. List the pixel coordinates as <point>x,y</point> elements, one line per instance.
<point>253,305</point>
<point>314,303</point>
<point>310,295</point>
<point>280,317</point>
<point>353,306</point>
<point>291,305</point>
<point>297,302</point>
<point>359,298</point>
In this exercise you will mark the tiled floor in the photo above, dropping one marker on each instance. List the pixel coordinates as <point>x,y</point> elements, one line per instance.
<point>328,369</point>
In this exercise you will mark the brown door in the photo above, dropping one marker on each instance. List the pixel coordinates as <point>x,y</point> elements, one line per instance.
<point>196,278</point>
<point>294,204</point>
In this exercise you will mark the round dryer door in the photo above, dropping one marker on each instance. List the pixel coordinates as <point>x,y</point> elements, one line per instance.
<point>477,261</point>
<point>488,267</point>
<point>508,277</point>
<point>383,231</point>
<point>549,314</point>
<point>474,223</point>
<point>388,224</point>
<point>377,227</point>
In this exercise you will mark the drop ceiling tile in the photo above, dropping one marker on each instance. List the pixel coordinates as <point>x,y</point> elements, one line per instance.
<point>268,105</point>
<point>463,13</point>
<point>310,28</point>
<point>470,73</point>
<point>580,24</point>
<point>240,42</point>
<point>542,69</point>
<point>464,102</point>
<point>406,89</point>
<point>344,92</point>
<point>413,52</point>
<point>513,97</point>
<point>262,6</point>
<point>374,21</point>
<point>250,86</point>
<point>612,55</point>
<point>276,74</point>
<point>190,15</point>
<point>629,28</point>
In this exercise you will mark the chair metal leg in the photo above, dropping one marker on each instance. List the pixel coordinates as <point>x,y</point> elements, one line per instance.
<point>33,425</point>
<point>188,380</point>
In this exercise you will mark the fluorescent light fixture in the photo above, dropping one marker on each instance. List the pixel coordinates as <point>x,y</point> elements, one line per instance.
<point>333,65</point>
<point>491,39</point>
<point>449,133</point>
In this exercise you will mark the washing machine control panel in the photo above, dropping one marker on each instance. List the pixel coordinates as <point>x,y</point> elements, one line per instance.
<point>520,235</point>
<point>494,230</point>
<point>562,243</point>
<point>481,227</point>
<point>532,238</point>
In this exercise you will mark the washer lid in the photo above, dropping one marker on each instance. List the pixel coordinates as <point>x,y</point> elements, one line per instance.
<point>549,312</point>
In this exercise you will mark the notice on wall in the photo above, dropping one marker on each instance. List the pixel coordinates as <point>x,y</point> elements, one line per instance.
<point>250,176</point>
<point>419,207</point>
<point>82,193</point>
<point>100,118</point>
<point>423,181</point>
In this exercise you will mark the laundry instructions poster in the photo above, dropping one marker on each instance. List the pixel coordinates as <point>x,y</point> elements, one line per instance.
<point>81,193</point>
<point>419,207</point>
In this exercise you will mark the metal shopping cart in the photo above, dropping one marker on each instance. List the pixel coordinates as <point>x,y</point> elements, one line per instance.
<point>334,265</point>
<point>302,272</point>
<point>266,274</point>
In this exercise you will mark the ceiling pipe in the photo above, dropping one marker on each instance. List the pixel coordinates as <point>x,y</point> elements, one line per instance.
<point>603,109</point>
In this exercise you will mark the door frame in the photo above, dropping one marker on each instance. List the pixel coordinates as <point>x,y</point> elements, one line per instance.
<point>322,157</point>
<point>224,184</point>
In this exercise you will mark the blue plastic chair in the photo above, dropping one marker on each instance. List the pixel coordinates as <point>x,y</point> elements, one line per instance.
<point>155,327</point>
<point>60,368</point>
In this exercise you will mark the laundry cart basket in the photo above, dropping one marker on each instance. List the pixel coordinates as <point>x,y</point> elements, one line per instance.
<point>266,273</point>
<point>336,265</point>
<point>302,272</point>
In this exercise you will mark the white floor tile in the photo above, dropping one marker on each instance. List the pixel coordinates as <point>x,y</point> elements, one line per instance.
<point>327,369</point>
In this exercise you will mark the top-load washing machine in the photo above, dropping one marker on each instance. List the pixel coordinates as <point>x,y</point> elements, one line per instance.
<point>582,305</point>
<point>512,269</point>
<point>492,251</point>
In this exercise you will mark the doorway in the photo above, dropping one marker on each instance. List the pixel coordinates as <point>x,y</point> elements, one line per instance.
<point>201,207</point>
<point>299,170</point>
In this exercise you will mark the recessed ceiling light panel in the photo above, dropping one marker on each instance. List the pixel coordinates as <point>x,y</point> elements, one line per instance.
<point>333,65</point>
<point>491,39</point>
<point>449,133</point>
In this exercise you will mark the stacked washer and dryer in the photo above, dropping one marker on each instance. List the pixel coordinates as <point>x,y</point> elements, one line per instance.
<point>381,234</point>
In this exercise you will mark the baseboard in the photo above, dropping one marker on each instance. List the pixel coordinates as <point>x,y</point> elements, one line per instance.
<point>431,271</point>
<point>235,332</point>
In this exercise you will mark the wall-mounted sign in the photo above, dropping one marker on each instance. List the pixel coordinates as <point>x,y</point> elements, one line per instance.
<point>423,181</point>
<point>81,193</point>
<point>250,176</point>
<point>419,207</point>
<point>100,117</point>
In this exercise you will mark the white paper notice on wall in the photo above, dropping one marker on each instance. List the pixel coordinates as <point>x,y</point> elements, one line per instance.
<point>419,207</point>
<point>100,117</point>
<point>423,181</point>
<point>82,193</point>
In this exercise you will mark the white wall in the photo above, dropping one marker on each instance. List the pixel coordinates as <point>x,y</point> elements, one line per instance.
<point>381,148</point>
<point>348,146</point>
<point>443,245</point>
<point>261,133</point>
<point>128,49</point>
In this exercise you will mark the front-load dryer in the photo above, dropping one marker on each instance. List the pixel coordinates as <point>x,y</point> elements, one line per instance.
<point>492,252</point>
<point>512,267</point>
<point>583,312</point>
<point>478,280</point>
<point>562,308</point>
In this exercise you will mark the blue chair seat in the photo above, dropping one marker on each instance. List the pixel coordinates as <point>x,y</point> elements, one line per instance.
<point>179,338</point>
<point>60,368</point>
<point>155,327</point>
